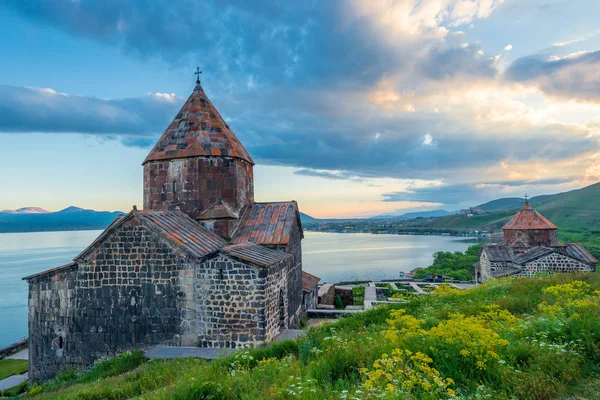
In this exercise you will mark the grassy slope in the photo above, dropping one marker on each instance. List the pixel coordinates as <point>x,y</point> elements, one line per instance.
<point>545,356</point>
<point>10,367</point>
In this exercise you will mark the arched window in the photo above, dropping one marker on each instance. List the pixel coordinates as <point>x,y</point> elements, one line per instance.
<point>60,342</point>
<point>174,187</point>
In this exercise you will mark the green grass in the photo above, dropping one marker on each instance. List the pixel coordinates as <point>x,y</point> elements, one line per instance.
<point>527,351</point>
<point>9,367</point>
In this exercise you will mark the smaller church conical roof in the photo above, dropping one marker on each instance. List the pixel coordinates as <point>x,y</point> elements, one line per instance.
<point>528,218</point>
<point>198,130</point>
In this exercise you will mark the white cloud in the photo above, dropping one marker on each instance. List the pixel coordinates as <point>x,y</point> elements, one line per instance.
<point>508,47</point>
<point>428,140</point>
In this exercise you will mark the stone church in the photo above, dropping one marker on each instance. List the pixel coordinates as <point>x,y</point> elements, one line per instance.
<point>202,265</point>
<point>530,246</point>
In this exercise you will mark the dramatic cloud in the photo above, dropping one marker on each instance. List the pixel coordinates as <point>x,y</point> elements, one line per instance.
<point>573,76</point>
<point>342,90</point>
<point>45,110</point>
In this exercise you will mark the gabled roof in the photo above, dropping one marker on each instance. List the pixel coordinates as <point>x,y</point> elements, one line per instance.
<point>499,253</point>
<point>51,271</point>
<point>533,254</point>
<point>309,281</point>
<point>175,226</point>
<point>268,223</point>
<point>198,130</point>
<point>218,210</point>
<point>577,251</point>
<point>255,254</point>
<point>511,270</point>
<point>528,218</point>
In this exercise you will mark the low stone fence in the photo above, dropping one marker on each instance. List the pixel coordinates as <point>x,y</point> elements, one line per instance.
<point>13,348</point>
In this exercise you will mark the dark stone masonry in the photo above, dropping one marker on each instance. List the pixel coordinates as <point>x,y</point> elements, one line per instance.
<point>203,264</point>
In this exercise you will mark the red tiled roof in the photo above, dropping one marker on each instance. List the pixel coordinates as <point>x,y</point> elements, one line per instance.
<point>528,218</point>
<point>255,254</point>
<point>309,281</point>
<point>198,130</point>
<point>268,223</point>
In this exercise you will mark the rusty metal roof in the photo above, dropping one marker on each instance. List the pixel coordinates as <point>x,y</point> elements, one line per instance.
<point>309,281</point>
<point>182,230</point>
<point>528,218</point>
<point>198,130</point>
<point>175,226</point>
<point>268,223</point>
<point>255,254</point>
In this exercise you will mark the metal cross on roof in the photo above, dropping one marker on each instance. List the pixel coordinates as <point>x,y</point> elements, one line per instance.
<point>526,198</point>
<point>197,73</point>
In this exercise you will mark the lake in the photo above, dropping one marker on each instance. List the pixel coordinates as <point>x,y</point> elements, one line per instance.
<point>331,256</point>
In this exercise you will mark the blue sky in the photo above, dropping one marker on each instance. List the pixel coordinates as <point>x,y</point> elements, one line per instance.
<point>350,107</point>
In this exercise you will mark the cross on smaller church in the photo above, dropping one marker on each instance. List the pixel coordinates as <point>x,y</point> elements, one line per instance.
<point>526,198</point>
<point>197,73</point>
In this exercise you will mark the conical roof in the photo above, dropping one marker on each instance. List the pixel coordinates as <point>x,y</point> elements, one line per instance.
<point>528,218</point>
<point>198,130</point>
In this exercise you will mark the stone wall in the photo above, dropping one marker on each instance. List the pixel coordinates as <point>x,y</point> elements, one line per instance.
<point>554,263</point>
<point>125,294</point>
<point>51,304</point>
<point>310,300</point>
<point>194,184</point>
<point>237,304</point>
<point>326,294</point>
<point>530,237</point>
<point>294,277</point>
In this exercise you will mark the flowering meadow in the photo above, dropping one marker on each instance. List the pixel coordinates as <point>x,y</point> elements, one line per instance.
<point>510,339</point>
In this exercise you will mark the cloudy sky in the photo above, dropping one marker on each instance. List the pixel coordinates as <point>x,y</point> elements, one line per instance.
<point>350,107</point>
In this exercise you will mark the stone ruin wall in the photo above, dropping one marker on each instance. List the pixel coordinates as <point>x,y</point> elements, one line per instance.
<point>199,183</point>
<point>553,263</point>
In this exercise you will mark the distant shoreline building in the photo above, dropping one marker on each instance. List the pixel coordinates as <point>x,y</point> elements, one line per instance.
<point>202,265</point>
<point>530,246</point>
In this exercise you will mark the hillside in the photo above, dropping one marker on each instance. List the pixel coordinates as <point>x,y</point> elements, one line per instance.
<point>71,218</point>
<point>508,203</point>
<point>416,214</point>
<point>574,210</point>
<point>512,339</point>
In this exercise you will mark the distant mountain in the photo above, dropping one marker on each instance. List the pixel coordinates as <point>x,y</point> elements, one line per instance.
<point>306,218</point>
<point>417,214</point>
<point>35,219</point>
<point>577,209</point>
<point>509,203</point>
<point>26,210</point>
